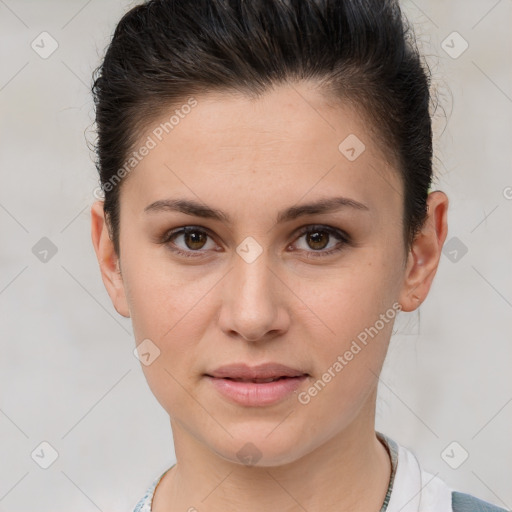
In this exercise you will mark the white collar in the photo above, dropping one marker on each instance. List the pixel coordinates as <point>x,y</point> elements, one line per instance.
<point>415,490</point>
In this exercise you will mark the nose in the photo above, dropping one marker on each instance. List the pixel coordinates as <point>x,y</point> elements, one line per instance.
<point>252,301</point>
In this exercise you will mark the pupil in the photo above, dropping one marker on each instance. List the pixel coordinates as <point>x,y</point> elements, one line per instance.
<point>193,238</point>
<point>315,239</point>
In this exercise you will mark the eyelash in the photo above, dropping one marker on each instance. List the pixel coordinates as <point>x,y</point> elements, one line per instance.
<point>336,233</point>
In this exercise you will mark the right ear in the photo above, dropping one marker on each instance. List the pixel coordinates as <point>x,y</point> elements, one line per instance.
<point>108,259</point>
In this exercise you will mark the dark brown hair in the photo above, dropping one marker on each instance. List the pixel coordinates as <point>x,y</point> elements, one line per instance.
<point>165,51</point>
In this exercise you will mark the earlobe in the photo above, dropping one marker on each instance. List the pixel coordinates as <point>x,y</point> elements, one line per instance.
<point>108,259</point>
<point>425,253</point>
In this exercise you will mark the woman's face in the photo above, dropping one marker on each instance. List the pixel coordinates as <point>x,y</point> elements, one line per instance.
<point>261,277</point>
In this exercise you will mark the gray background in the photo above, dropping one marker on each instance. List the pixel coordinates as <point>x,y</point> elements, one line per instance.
<point>68,375</point>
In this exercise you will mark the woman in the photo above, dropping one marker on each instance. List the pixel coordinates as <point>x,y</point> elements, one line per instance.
<point>266,167</point>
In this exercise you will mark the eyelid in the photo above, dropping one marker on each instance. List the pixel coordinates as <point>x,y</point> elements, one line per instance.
<point>339,233</point>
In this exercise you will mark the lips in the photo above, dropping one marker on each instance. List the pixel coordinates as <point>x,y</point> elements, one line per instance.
<point>257,381</point>
<point>268,372</point>
<point>256,386</point>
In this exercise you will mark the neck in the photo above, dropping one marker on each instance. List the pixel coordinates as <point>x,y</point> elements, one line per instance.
<point>350,471</point>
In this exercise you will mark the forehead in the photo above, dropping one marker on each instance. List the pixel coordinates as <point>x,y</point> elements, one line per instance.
<point>288,143</point>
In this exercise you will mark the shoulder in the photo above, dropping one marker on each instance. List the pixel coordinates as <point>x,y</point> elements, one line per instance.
<point>462,502</point>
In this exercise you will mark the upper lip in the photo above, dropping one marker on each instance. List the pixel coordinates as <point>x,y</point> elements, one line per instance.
<point>262,371</point>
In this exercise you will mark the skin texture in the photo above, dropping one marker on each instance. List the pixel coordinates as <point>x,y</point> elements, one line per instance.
<point>252,158</point>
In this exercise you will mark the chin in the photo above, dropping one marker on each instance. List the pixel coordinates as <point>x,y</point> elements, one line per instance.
<point>257,448</point>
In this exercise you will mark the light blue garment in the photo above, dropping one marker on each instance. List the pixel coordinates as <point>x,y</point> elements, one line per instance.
<point>144,504</point>
<point>466,503</point>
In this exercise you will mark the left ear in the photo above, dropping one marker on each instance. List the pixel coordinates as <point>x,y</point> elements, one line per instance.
<point>425,253</point>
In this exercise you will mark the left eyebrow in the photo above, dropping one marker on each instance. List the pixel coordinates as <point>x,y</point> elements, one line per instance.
<point>192,207</point>
<point>328,205</point>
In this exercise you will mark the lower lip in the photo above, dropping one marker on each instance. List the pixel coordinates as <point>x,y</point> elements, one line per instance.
<point>257,394</point>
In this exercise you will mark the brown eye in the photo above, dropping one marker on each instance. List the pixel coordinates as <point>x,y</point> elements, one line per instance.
<point>317,239</point>
<point>189,241</point>
<point>195,239</point>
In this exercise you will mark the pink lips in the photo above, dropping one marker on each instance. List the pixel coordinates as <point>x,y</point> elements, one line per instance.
<point>258,385</point>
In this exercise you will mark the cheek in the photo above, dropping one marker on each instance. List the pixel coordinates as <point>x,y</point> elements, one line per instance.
<point>171,312</point>
<point>160,294</point>
<point>173,309</point>
<point>354,312</point>
<point>351,298</point>
<point>347,363</point>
